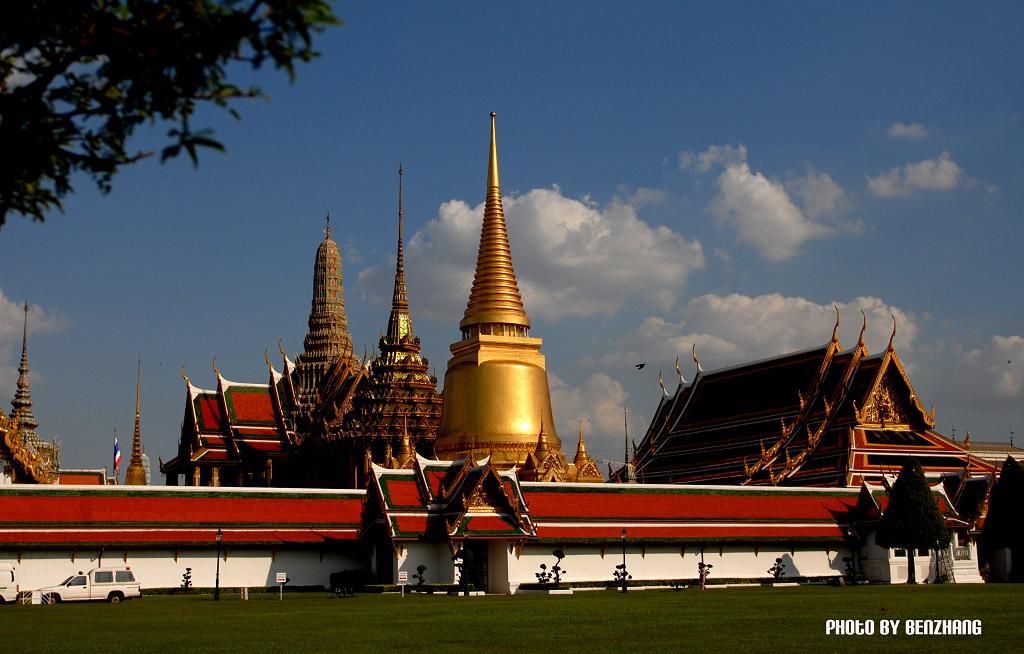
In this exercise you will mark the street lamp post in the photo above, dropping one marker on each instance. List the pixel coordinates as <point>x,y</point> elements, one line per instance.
<point>216,587</point>
<point>625,586</point>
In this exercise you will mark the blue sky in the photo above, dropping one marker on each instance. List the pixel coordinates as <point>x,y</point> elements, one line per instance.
<point>674,174</point>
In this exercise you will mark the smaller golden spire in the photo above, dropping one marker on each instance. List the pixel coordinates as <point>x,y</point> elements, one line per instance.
<point>136,474</point>
<point>581,448</point>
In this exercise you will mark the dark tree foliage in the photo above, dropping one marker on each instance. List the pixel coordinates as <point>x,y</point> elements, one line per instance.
<point>1004,523</point>
<point>912,519</point>
<point>77,78</point>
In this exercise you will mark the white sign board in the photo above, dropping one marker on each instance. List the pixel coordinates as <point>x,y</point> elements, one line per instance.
<point>282,577</point>
<point>403,576</point>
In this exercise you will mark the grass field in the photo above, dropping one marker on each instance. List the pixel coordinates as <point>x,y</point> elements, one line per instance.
<point>720,620</point>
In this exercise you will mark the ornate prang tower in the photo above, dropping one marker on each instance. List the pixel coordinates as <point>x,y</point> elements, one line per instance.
<point>136,473</point>
<point>496,397</point>
<point>21,405</point>
<point>328,339</point>
<point>400,399</point>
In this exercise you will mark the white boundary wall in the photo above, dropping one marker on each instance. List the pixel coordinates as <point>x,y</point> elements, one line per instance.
<point>163,568</point>
<point>596,564</point>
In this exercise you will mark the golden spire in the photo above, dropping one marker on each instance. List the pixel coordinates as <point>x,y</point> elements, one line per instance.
<point>496,388</point>
<point>581,448</point>
<point>21,405</point>
<point>494,298</point>
<point>400,321</point>
<point>136,474</point>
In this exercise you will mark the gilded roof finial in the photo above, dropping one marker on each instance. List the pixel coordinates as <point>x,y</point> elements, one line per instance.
<point>184,376</point>
<point>494,297</point>
<point>266,359</point>
<point>214,365</point>
<point>863,328</point>
<point>835,330</point>
<point>327,227</point>
<point>661,382</point>
<point>693,352</point>
<point>679,371</point>
<point>893,335</point>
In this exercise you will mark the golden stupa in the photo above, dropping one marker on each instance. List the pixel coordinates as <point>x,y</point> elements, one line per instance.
<point>496,397</point>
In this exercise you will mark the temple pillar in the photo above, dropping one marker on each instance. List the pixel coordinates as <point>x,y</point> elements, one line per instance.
<point>215,476</point>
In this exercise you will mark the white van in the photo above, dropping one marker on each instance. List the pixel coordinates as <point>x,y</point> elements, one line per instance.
<point>8,582</point>
<point>110,584</point>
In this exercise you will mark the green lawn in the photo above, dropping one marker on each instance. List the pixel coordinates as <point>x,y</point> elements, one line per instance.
<point>720,620</point>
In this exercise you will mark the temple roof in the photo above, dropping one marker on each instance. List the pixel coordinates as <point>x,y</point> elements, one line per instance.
<point>583,512</point>
<point>445,499</point>
<point>169,516</point>
<point>821,416</point>
<point>235,420</point>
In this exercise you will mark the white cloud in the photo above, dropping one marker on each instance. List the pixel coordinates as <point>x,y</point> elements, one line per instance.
<point>12,317</point>
<point>598,401</point>
<point>819,195</point>
<point>938,174</point>
<point>907,131</point>
<point>763,211</point>
<point>986,377</point>
<point>733,329</point>
<point>714,156</point>
<point>572,257</point>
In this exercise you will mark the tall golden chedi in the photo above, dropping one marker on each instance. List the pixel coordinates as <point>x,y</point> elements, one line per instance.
<point>496,397</point>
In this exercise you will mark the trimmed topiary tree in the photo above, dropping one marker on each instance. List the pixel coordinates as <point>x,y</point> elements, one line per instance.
<point>912,519</point>
<point>1003,524</point>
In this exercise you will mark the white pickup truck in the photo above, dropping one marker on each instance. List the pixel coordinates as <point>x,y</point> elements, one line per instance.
<point>8,582</point>
<point>110,584</point>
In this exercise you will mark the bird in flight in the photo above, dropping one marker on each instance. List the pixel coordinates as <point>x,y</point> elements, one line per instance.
<point>640,366</point>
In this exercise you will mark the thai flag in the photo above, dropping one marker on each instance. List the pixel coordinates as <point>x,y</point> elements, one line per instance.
<point>117,456</point>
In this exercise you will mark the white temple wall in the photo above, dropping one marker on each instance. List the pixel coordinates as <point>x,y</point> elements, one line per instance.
<point>436,556</point>
<point>239,567</point>
<point>881,565</point>
<point>592,563</point>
